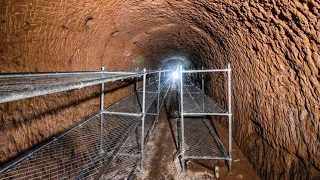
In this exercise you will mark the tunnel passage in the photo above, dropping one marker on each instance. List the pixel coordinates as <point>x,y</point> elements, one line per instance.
<point>273,47</point>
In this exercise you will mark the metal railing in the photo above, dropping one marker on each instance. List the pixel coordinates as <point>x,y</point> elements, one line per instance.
<point>195,103</point>
<point>93,148</point>
<point>113,140</point>
<point>16,86</point>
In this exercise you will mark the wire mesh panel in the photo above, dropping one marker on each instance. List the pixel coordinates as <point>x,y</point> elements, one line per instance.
<point>20,86</point>
<point>173,109</point>
<point>66,157</point>
<point>192,89</point>
<point>115,128</point>
<point>201,140</point>
<point>62,158</point>
<point>200,103</point>
<point>152,109</point>
<point>133,103</point>
<point>77,154</point>
<point>151,88</point>
<point>130,153</point>
<point>117,139</point>
<point>123,167</point>
<point>197,137</point>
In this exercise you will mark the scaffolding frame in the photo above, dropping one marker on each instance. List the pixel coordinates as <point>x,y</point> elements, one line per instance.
<point>190,128</point>
<point>100,156</point>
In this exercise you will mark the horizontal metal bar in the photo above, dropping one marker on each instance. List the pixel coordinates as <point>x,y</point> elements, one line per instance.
<point>152,114</point>
<point>121,113</point>
<point>27,74</point>
<point>148,91</point>
<point>153,72</point>
<point>206,114</point>
<point>206,70</point>
<point>207,157</point>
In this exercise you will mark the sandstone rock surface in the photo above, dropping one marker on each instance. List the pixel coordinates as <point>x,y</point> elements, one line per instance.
<point>273,47</point>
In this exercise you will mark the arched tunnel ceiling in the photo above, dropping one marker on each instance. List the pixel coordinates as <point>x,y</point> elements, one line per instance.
<point>273,47</point>
<point>129,31</point>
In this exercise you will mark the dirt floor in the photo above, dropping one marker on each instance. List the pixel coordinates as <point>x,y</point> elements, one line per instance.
<point>161,161</point>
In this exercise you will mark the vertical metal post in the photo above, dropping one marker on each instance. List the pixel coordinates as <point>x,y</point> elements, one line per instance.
<point>101,115</point>
<point>159,92</point>
<point>143,115</point>
<point>182,121</point>
<point>137,80</point>
<point>196,78</point>
<point>149,78</point>
<point>193,79</point>
<point>202,81</point>
<point>202,89</point>
<point>230,117</point>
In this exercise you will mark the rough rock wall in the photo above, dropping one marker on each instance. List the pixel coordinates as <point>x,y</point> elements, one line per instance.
<point>44,36</point>
<point>273,47</point>
<point>274,51</point>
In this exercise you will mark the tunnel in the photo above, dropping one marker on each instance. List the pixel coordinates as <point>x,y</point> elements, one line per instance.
<point>273,48</point>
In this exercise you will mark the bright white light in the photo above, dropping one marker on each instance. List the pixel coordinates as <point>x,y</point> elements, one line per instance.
<point>175,75</point>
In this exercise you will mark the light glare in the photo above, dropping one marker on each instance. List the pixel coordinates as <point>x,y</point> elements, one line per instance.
<point>175,75</point>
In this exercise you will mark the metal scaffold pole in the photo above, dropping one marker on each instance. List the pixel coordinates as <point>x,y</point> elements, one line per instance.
<point>101,115</point>
<point>137,80</point>
<point>193,78</point>
<point>104,137</point>
<point>149,79</point>
<point>202,89</point>
<point>143,116</point>
<point>182,121</point>
<point>196,79</point>
<point>230,117</point>
<point>202,81</point>
<point>159,91</point>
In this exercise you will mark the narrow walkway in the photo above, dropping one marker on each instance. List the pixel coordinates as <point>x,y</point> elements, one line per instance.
<point>162,161</point>
<point>107,145</point>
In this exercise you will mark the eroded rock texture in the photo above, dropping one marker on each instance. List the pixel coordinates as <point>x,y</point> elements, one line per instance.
<point>273,47</point>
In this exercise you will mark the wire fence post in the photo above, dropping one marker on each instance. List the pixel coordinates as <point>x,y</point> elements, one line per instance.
<point>230,117</point>
<point>143,115</point>
<point>197,78</point>
<point>159,91</point>
<point>182,121</point>
<point>149,78</point>
<point>202,81</point>
<point>193,78</point>
<point>137,80</point>
<point>101,114</point>
<point>202,89</point>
